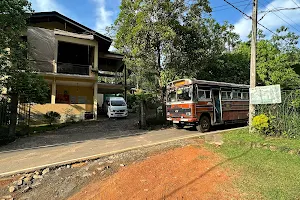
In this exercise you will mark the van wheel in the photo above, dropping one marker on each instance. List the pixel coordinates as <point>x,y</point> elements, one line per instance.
<point>204,124</point>
<point>178,126</point>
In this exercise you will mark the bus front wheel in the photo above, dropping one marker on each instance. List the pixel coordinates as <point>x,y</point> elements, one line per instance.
<point>204,124</point>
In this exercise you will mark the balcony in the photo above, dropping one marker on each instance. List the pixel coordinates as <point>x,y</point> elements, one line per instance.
<point>116,78</point>
<point>68,68</point>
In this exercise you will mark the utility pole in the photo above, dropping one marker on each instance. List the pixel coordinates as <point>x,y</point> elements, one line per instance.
<point>253,58</point>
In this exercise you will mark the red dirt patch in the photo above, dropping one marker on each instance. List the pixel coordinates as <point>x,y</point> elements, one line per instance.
<point>183,173</point>
<point>6,182</point>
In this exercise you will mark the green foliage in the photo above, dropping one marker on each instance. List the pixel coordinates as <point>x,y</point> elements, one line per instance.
<point>277,59</point>
<point>52,117</point>
<point>16,72</point>
<point>167,40</point>
<point>285,116</point>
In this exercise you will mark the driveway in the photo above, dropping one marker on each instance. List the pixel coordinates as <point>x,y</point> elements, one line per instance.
<point>104,128</point>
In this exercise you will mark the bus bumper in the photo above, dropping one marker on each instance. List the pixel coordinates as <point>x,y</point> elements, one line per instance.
<point>181,120</point>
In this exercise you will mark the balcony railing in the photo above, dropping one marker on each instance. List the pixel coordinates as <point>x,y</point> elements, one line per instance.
<point>111,78</point>
<point>68,68</point>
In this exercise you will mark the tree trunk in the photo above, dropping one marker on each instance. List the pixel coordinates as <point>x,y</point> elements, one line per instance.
<point>142,115</point>
<point>13,116</point>
<point>162,95</point>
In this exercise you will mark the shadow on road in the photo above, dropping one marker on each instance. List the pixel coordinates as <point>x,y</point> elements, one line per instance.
<point>101,129</point>
<point>221,127</point>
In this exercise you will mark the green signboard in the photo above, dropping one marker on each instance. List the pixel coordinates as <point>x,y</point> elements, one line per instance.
<point>265,94</point>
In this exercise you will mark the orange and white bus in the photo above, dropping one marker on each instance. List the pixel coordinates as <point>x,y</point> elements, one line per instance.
<point>203,104</point>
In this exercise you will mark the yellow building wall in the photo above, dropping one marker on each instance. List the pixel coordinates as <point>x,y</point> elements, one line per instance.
<point>75,95</point>
<point>70,101</point>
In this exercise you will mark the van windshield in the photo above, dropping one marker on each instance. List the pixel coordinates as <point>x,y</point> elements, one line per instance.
<point>118,103</point>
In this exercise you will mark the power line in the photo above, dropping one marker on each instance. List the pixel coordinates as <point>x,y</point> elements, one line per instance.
<point>279,9</point>
<point>247,5</point>
<point>249,16</point>
<point>281,17</point>
<point>296,3</point>
<point>227,8</point>
<point>226,5</point>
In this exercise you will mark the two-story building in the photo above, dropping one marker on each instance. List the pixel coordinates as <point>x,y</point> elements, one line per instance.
<point>76,63</point>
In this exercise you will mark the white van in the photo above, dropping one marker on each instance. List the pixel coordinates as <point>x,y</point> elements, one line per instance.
<point>115,107</point>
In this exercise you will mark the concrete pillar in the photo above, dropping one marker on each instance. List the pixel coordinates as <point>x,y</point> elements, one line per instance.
<point>53,94</point>
<point>96,56</point>
<point>55,57</point>
<point>95,99</point>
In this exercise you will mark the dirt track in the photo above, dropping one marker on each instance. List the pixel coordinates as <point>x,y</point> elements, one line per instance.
<point>189,172</point>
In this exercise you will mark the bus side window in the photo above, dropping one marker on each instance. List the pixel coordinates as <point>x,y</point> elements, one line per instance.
<point>245,95</point>
<point>235,95</point>
<point>224,95</point>
<point>207,94</point>
<point>239,95</point>
<point>229,95</point>
<point>201,94</point>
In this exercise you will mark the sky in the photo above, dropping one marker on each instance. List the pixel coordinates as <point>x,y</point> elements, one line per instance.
<point>97,14</point>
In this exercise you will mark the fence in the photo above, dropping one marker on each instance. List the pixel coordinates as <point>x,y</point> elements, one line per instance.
<point>24,113</point>
<point>285,117</point>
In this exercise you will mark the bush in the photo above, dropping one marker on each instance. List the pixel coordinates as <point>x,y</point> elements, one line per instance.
<point>261,122</point>
<point>52,117</point>
<point>265,125</point>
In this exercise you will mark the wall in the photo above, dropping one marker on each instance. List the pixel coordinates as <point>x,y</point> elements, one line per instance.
<point>75,95</point>
<point>76,111</point>
<point>100,99</point>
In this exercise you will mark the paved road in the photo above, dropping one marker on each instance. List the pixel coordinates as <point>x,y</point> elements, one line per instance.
<point>18,161</point>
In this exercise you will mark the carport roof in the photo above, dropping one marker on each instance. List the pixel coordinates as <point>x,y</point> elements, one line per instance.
<point>110,61</point>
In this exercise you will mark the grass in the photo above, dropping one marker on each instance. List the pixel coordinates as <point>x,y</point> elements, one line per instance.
<point>244,136</point>
<point>262,174</point>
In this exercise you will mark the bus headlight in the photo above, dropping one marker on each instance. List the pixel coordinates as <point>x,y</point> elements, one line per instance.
<point>188,113</point>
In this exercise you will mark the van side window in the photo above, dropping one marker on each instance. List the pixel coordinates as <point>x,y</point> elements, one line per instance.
<point>203,94</point>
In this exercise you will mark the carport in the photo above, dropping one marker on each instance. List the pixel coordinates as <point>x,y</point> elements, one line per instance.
<point>111,75</point>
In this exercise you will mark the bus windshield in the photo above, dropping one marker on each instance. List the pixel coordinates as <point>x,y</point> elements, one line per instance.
<point>172,96</point>
<point>181,94</point>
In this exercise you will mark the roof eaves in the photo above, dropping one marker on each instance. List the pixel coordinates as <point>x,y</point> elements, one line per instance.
<point>55,13</point>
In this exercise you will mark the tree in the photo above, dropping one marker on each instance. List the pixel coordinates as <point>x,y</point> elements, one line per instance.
<point>276,59</point>
<point>16,71</point>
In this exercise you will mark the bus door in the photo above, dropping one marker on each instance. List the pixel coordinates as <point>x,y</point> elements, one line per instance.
<point>216,97</point>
